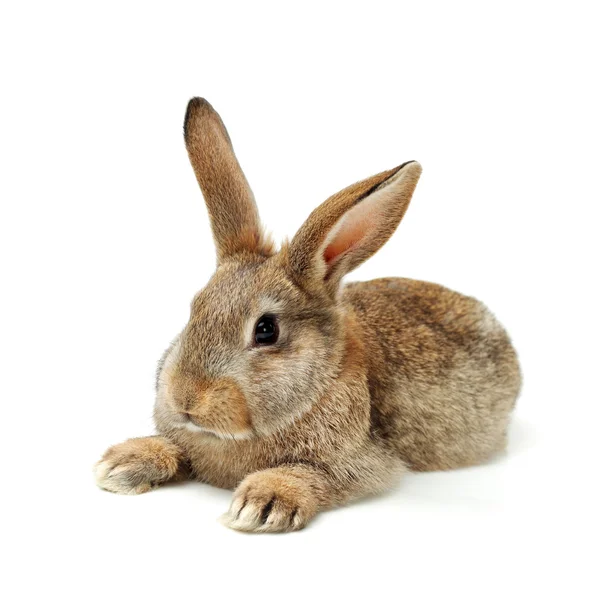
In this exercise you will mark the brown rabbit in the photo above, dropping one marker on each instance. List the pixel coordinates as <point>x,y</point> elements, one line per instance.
<point>301,393</point>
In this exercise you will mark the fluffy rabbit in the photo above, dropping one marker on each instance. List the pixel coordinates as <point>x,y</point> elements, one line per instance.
<point>301,393</point>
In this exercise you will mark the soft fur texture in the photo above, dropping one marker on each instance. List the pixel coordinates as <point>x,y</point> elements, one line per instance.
<point>365,380</point>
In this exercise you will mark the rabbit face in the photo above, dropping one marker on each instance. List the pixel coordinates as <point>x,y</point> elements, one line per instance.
<point>255,355</point>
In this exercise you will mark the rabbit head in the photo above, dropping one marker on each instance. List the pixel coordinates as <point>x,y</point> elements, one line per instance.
<point>266,336</point>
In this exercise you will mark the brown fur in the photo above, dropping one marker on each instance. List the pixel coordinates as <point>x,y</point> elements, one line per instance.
<point>364,381</point>
<point>223,407</point>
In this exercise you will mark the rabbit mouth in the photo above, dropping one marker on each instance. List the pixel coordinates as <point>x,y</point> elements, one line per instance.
<point>190,424</point>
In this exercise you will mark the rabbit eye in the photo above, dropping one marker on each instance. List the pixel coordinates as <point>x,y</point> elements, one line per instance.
<point>266,331</point>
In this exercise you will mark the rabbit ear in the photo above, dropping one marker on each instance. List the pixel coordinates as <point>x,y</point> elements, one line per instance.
<point>351,226</point>
<point>229,199</point>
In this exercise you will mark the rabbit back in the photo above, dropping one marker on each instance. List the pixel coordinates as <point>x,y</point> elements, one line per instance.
<point>443,375</point>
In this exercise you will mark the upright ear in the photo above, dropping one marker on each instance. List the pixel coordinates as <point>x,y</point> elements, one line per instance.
<point>229,199</point>
<point>351,226</point>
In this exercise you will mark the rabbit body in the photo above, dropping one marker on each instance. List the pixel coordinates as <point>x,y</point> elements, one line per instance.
<point>444,375</point>
<point>429,383</point>
<point>299,392</point>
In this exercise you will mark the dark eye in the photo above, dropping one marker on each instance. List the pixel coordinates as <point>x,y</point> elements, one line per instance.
<point>266,331</point>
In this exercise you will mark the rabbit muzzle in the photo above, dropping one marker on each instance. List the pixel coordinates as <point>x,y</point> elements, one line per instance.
<point>218,407</point>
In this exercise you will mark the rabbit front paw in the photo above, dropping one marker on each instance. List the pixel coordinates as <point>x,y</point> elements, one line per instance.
<point>271,501</point>
<point>138,465</point>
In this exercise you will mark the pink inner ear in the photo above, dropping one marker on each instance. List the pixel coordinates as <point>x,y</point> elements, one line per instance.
<point>353,229</point>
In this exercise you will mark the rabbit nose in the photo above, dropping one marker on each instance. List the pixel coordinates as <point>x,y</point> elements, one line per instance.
<point>188,393</point>
<point>219,406</point>
<point>191,418</point>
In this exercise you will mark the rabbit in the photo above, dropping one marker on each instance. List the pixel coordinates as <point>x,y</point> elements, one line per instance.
<point>298,392</point>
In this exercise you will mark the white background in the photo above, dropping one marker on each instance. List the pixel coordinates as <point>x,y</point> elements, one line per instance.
<point>104,240</point>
